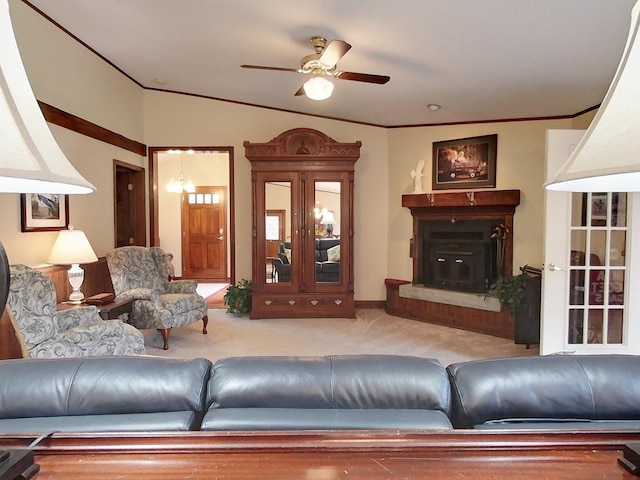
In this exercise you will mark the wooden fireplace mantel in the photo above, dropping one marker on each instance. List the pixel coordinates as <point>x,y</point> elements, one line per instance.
<point>497,205</point>
<point>481,201</point>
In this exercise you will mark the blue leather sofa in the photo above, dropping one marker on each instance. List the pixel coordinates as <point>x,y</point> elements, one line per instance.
<point>326,270</point>
<point>319,393</point>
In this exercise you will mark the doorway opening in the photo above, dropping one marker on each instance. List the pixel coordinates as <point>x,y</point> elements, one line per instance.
<point>196,226</point>
<point>129,215</point>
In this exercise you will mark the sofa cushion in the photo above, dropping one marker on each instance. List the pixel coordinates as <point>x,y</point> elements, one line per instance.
<point>323,245</point>
<point>333,254</point>
<point>564,424</point>
<point>324,419</point>
<point>98,386</point>
<point>126,422</point>
<point>270,382</point>
<point>294,387</point>
<point>550,390</point>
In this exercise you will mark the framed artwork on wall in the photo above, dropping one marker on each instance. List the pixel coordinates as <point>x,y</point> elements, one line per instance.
<point>465,163</point>
<point>44,212</point>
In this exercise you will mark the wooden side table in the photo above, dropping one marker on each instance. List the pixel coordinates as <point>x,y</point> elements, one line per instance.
<point>114,309</point>
<point>108,311</point>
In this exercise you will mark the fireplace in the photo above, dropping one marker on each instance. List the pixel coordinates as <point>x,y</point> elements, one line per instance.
<point>453,248</point>
<point>457,255</point>
<point>453,251</point>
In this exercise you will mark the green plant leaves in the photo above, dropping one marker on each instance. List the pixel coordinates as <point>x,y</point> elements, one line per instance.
<point>238,298</point>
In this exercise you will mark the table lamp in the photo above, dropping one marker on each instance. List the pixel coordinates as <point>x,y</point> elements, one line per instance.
<point>73,248</point>
<point>328,220</point>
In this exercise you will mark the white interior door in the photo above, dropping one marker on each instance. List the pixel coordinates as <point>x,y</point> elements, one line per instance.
<point>557,220</point>
<point>586,306</point>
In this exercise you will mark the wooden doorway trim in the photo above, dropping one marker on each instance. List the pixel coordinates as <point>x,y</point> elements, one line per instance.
<point>272,244</point>
<point>130,226</point>
<point>153,196</point>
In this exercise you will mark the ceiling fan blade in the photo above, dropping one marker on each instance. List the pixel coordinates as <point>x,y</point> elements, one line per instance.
<point>334,52</point>
<point>362,77</point>
<point>300,91</point>
<point>279,69</point>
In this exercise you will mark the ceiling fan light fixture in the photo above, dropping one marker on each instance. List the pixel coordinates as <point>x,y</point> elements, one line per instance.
<point>318,87</point>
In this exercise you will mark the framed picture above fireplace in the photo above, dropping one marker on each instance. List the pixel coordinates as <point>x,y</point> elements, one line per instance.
<point>465,163</point>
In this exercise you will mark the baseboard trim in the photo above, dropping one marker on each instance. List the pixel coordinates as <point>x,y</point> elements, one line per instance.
<point>370,304</point>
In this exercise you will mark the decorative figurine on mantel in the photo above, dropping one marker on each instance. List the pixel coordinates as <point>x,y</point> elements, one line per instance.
<point>417,176</point>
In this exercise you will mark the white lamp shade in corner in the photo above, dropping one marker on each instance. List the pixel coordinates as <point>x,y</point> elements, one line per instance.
<point>30,159</point>
<point>328,219</point>
<point>607,159</point>
<point>71,246</point>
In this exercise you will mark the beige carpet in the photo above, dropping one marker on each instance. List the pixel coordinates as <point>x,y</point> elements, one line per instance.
<point>372,331</point>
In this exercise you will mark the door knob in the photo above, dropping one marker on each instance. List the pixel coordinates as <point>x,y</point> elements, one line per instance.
<point>552,267</point>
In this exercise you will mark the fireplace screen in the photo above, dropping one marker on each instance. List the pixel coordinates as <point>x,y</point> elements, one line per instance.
<point>458,256</point>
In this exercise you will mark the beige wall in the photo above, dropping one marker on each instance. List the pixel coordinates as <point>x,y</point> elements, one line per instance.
<point>185,120</point>
<point>65,75</point>
<point>69,77</point>
<point>520,165</point>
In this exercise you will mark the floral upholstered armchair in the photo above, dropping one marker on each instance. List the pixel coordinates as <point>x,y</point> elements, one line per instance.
<point>142,274</point>
<point>77,332</point>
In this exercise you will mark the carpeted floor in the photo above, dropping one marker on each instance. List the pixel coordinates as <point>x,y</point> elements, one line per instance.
<point>217,299</point>
<point>372,331</point>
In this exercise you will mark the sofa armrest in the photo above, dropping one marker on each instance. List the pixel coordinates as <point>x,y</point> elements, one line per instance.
<point>182,286</point>
<point>77,316</point>
<point>92,331</point>
<point>138,294</point>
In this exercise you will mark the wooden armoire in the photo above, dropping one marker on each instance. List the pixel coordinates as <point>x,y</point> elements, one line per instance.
<point>302,194</point>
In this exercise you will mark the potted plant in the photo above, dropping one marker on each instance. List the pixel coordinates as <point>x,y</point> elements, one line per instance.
<point>238,298</point>
<point>521,295</point>
<point>510,291</point>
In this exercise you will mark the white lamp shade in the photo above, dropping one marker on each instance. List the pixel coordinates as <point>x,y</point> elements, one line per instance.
<point>328,219</point>
<point>607,159</point>
<point>30,159</point>
<point>71,246</point>
<point>318,88</point>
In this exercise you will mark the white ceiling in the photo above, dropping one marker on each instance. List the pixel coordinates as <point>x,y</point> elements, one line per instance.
<point>479,59</point>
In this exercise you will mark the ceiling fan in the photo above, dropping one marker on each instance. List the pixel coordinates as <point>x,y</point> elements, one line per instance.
<point>321,65</point>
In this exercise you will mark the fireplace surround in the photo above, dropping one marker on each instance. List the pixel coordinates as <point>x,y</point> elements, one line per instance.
<point>457,226</point>
<point>461,224</point>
